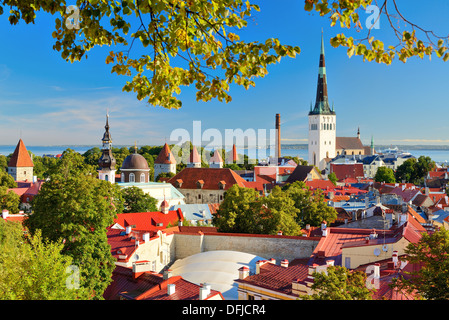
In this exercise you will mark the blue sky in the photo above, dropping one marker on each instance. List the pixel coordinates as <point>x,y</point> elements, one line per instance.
<point>47,101</point>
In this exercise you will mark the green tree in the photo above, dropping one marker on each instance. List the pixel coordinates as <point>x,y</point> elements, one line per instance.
<point>77,207</point>
<point>414,170</point>
<point>312,206</point>
<point>282,212</point>
<point>9,200</point>
<point>333,178</point>
<point>135,200</point>
<point>6,180</point>
<point>33,269</point>
<point>339,283</point>
<point>244,211</point>
<point>431,279</point>
<point>238,211</point>
<point>384,174</point>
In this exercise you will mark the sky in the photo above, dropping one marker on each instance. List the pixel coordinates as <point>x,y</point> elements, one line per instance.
<point>47,101</point>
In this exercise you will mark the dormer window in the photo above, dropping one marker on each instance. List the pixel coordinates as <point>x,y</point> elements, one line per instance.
<point>221,185</point>
<point>200,184</point>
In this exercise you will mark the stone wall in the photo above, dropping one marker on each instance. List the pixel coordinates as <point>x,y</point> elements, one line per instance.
<point>266,246</point>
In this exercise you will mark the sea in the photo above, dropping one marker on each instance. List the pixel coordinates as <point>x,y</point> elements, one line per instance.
<point>438,155</point>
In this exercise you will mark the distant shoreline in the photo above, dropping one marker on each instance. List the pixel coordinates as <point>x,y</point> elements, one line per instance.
<point>283,146</point>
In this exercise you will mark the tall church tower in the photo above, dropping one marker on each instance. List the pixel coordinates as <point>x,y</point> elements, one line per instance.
<point>322,121</point>
<point>107,161</point>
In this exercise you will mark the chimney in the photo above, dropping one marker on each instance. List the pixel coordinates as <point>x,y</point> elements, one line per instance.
<point>284,263</point>
<point>171,288</point>
<point>273,261</point>
<point>204,291</point>
<point>330,262</point>
<point>278,136</point>
<point>140,268</point>
<point>243,272</point>
<point>324,228</point>
<point>146,237</point>
<point>128,229</point>
<point>395,258</point>
<point>259,264</point>
<point>5,213</point>
<point>279,233</point>
<point>167,274</point>
<point>307,226</point>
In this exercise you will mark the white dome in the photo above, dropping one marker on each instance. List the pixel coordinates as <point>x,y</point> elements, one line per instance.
<point>217,268</point>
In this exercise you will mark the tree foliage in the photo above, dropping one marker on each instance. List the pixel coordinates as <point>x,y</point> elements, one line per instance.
<point>77,207</point>
<point>32,268</point>
<point>9,200</point>
<point>413,170</point>
<point>135,200</point>
<point>339,283</point>
<point>312,206</point>
<point>384,174</point>
<point>431,277</point>
<point>164,45</point>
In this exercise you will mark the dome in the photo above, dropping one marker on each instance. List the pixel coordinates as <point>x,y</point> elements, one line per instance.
<point>218,268</point>
<point>135,161</point>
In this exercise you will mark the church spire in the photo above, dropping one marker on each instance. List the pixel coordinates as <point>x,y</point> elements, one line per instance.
<point>322,102</point>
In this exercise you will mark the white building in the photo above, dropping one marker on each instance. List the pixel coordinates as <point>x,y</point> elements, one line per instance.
<point>322,122</point>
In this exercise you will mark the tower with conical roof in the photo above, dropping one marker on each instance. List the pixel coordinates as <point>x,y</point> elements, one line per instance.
<point>165,162</point>
<point>194,159</point>
<point>20,166</point>
<point>322,121</point>
<point>107,161</point>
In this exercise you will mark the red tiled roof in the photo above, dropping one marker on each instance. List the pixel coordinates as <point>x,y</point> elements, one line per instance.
<point>344,171</point>
<point>320,184</point>
<point>165,156</point>
<point>277,278</point>
<point>216,158</point>
<point>150,286</point>
<point>194,156</point>
<point>20,157</point>
<point>210,176</point>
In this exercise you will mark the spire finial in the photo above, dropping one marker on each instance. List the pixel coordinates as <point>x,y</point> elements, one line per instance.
<point>135,146</point>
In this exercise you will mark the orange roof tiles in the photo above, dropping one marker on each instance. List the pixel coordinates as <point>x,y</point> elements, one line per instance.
<point>165,156</point>
<point>210,176</point>
<point>20,157</point>
<point>150,286</point>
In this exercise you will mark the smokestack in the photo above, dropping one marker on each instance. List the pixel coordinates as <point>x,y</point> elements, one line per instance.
<point>278,135</point>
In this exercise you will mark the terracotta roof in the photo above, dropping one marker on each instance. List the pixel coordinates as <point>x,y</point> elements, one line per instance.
<point>348,143</point>
<point>150,286</point>
<point>210,176</point>
<point>20,157</point>
<point>320,184</point>
<point>343,171</point>
<point>165,156</point>
<point>194,156</point>
<point>277,278</point>
<point>216,158</point>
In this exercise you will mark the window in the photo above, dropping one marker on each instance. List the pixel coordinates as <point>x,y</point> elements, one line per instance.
<point>132,178</point>
<point>250,297</point>
<point>142,177</point>
<point>106,177</point>
<point>347,262</point>
<point>199,196</point>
